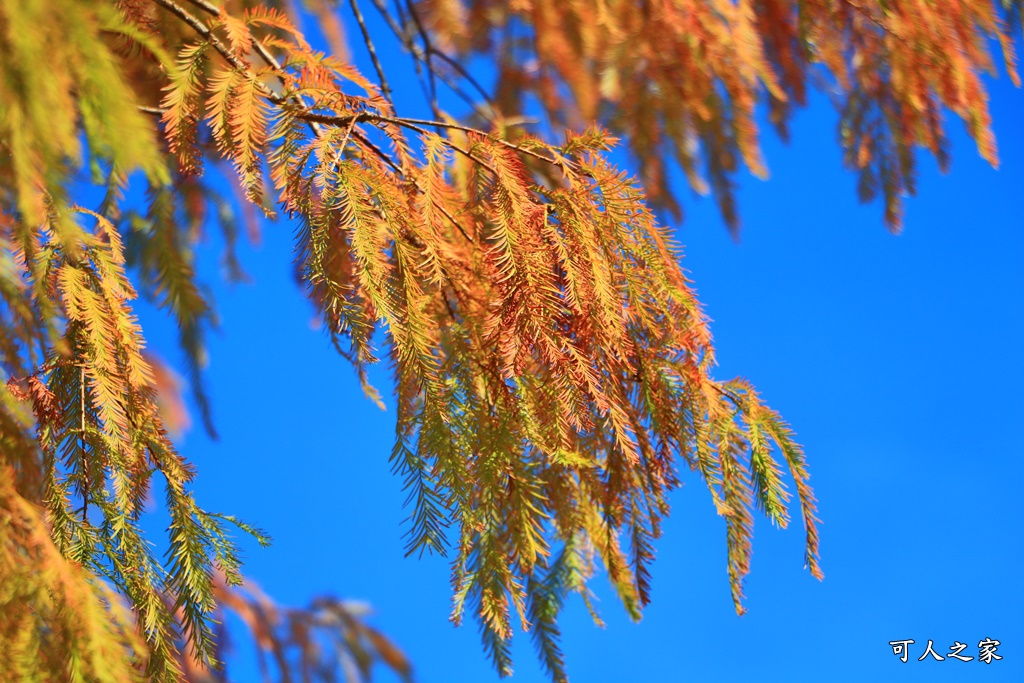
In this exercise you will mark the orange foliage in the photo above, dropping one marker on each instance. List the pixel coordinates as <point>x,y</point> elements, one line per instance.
<point>552,365</point>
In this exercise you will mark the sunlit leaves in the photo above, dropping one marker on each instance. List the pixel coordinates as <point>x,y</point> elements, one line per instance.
<point>551,361</point>
<point>54,612</point>
<point>682,80</point>
<point>181,106</point>
<point>552,366</point>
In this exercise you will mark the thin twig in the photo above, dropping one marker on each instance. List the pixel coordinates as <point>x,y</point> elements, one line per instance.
<point>420,55</point>
<point>416,125</point>
<point>428,45</point>
<point>204,30</point>
<point>470,129</point>
<point>342,146</point>
<point>444,211</point>
<point>81,447</point>
<point>737,401</point>
<point>351,132</point>
<point>431,72</point>
<point>368,41</point>
<point>462,71</point>
<point>359,135</point>
<point>382,8</point>
<point>260,48</point>
<point>406,38</point>
<point>413,126</point>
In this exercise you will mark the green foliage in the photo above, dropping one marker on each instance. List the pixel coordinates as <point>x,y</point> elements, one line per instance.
<point>58,622</point>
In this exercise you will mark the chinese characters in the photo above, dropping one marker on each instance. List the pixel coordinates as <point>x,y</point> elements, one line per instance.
<point>986,651</point>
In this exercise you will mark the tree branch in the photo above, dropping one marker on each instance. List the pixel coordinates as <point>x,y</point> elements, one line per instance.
<point>368,41</point>
<point>423,54</point>
<point>204,30</point>
<point>417,126</point>
<point>260,48</point>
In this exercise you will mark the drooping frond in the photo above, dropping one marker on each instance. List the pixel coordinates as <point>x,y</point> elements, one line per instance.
<point>58,623</point>
<point>328,641</point>
<point>110,443</point>
<point>682,80</point>
<point>551,361</point>
<point>181,105</point>
<point>99,440</point>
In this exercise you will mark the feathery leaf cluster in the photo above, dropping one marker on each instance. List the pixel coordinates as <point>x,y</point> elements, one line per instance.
<point>80,430</point>
<point>552,365</point>
<point>682,80</point>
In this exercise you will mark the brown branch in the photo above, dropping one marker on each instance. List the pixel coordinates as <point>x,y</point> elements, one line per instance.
<point>205,31</point>
<point>431,72</point>
<point>313,118</point>
<point>412,124</point>
<point>458,226</point>
<point>736,400</point>
<point>423,55</point>
<point>260,48</point>
<point>416,126</point>
<point>368,41</point>
<point>470,129</point>
<point>350,132</point>
<point>428,46</point>
<point>358,135</point>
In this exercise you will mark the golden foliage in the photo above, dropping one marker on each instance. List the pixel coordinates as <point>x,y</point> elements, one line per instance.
<point>551,362</point>
<point>552,366</point>
<point>99,440</point>
<point>682,79</point>
<point>58,623</point>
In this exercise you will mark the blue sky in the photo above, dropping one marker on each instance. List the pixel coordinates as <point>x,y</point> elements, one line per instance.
<point>895,358</point>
